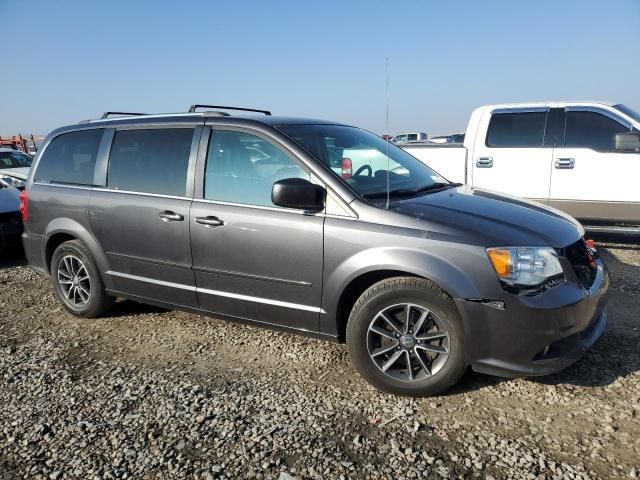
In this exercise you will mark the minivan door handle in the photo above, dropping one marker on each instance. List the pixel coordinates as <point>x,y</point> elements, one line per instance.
<point>209,221</point>
<point>565,162</point>
<point>484,162</point>
<point>169,216</point>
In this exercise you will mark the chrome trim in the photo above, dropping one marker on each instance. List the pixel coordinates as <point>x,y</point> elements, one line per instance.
<point>60,185</point>
<point>129,192</point>
<point>260,207</point>
<point>151,280</point>
<point>250,298</point>
<point>218,293</point>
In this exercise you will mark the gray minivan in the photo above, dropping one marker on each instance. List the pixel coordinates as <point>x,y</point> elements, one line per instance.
<point>247,218</point>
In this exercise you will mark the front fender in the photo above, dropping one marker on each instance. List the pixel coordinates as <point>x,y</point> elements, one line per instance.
<point>453,278</point>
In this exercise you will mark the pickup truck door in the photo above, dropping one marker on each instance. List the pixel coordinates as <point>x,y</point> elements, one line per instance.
<point>589,179</point>
<point>512,153</point>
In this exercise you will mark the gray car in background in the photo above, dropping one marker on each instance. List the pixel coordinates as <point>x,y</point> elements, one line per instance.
<point>246,218</point>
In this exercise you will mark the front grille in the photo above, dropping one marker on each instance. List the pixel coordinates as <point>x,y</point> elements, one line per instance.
<point>583,261</point>
<point>10,217</point>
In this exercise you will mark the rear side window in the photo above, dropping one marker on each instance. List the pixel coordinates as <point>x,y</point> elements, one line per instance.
<point>591,130</point>
<point>150,161</point>
<point>70,158</point>
<point>514,130</point>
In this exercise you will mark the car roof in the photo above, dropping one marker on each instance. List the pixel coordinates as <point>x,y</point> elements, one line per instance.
<point>190,118</point>
<point>553,104</point>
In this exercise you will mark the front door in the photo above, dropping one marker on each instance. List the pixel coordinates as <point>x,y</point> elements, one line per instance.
<point>514,158</point>
<point>252,259</point>
<point>141,218</point>
<point>590,180</point>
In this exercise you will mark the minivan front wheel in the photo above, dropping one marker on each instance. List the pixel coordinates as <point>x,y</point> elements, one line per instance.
<point>77,282</point>
<point>405,336</point>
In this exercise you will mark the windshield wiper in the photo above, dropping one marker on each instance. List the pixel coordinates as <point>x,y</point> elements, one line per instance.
<point>409,191</point>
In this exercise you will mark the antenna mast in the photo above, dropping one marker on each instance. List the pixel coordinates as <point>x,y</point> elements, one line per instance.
<point>387,96</point>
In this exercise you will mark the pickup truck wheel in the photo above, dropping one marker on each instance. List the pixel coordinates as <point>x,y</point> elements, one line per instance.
<point>405,336</point>
<point>77,282</point>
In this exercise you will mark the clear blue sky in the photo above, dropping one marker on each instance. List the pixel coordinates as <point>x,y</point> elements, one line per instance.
<point>68,60</point>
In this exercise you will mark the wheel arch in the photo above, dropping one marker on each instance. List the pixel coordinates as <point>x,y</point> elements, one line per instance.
<point>61,230</point>
<point>347,282</point>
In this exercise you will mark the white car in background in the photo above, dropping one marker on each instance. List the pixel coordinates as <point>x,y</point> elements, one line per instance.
<point>410,137</point>
<point>14,167</point>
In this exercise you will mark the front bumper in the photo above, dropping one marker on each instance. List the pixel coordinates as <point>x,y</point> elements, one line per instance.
<point>535,335</point>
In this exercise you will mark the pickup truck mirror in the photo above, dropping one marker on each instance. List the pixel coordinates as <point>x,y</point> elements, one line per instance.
<point>298,193</point>
<point>626,142</point>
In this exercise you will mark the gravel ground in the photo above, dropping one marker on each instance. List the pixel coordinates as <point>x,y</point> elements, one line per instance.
<point>147,393</point>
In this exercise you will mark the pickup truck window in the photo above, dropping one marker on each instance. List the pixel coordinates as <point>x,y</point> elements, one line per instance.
<point>514,130</point>
<point>360,159</point>
<point>591,130</point>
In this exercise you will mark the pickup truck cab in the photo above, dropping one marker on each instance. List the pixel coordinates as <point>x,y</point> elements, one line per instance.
<point>580,157</point>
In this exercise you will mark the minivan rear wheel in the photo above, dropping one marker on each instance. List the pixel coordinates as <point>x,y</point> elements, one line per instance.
<point>405,336</point>
<point>77,282</point>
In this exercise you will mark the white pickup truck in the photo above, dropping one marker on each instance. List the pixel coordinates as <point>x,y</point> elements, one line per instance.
<point>580,157</point>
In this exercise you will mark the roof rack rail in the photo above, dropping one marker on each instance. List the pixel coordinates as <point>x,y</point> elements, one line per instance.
<point>107,114</point>
<point>193,108</point>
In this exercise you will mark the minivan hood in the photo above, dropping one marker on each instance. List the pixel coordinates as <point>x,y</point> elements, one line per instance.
<point>495,219</point>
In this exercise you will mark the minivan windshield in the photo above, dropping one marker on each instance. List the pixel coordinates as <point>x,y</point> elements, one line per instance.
<point>360,159</point>
<point>629,112</point>
<point>14,160</point>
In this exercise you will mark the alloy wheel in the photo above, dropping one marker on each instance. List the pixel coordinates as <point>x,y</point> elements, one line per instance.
<point>74,281</point>
<point>408,342</point>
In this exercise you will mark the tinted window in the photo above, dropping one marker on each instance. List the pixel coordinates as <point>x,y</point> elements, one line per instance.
<point>591,130</point>
<point>14,160</point>
<point>70,158</point>
<point>242,168</point>
<point>412,136</point>
<point>150,161</point>
<point>516,129</point>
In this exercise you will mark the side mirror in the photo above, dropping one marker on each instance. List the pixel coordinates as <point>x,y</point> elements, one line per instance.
<point>298,193</point>
<point>626,142</point>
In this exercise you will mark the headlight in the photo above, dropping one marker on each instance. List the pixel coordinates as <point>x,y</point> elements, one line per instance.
<point>13,181</point>
<point>525,266</point>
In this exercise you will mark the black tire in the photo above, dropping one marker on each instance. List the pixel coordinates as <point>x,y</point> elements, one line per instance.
<point>98,301</point>
<point>419,292</point>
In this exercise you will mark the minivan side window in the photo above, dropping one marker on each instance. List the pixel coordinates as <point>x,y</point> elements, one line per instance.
<point>70,158</point>
<point>591,130</point>
<point>150,160</point>
<point>521,129</point>
<point>242,168</point>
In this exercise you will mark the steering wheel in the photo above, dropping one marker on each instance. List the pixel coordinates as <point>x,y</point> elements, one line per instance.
<point>365,167</point>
